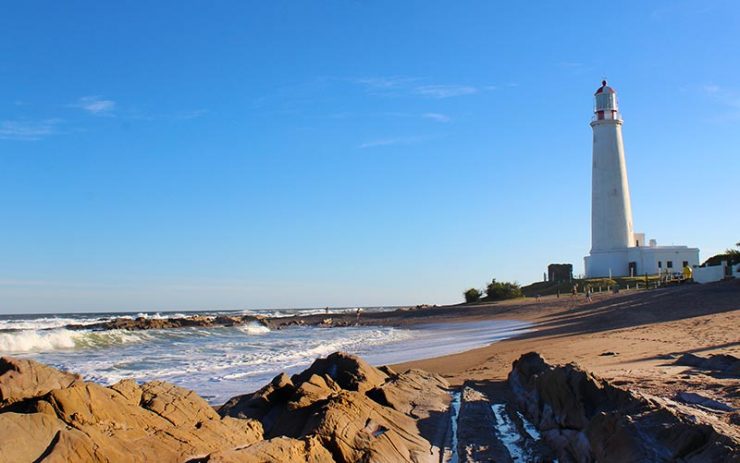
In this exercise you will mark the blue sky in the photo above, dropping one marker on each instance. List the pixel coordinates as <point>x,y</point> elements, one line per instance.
<point>193,155</point>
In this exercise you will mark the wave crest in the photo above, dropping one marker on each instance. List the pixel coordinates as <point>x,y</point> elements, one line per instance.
<point>253,328</point>
<point>63,339</point>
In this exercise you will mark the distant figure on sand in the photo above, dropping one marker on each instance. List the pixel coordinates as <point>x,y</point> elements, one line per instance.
<point>359,311</point>
<point>589,291</point>
<point>575,290</point>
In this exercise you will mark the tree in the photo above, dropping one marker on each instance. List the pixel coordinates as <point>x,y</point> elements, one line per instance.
<point>472,295</point>
<point>731,256</point>
<point>497,291</point>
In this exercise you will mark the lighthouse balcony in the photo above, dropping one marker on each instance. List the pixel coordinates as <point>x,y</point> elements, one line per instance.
<point>606,116</point>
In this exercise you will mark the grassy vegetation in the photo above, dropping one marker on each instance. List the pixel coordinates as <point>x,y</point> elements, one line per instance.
<point>545,288</point>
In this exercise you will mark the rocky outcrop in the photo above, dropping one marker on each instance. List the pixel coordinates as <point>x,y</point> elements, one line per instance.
<point>143,323</point>
<point>586,419</point>
<point>67,419</point>
<point>724,364</point>
<point>353,410</point>
<point>21,379</point>
<point>338,410</point>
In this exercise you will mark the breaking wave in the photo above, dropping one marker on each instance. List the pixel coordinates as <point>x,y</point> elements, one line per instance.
<point>253,328</point>
<point>63,339</point>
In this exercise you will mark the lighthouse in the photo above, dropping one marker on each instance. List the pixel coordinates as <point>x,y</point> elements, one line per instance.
<point>616,250</point>
<point>611,209</point>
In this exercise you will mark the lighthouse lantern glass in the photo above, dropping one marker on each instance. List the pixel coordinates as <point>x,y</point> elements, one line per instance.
<point>606,101</point>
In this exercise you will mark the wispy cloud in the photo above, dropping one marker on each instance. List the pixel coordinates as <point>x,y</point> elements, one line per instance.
<point>26,130</point>
<point>393,141</point>
<point>445,91</point>
<point>384,83</point>
<point>727,99</point>
<point>436,117</point>
<point>413,86</point>
<point>95,105</point>
<point>723,95</point>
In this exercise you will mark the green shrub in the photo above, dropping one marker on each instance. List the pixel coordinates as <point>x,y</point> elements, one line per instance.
<point>472,295</point>
<point>496,291</point>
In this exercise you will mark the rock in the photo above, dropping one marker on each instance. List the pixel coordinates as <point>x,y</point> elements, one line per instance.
<point>279,449</point>
<point>355,411</point>
<point>339,410</point>
<point>586,419</point>
<point>698,399</point>
<point>348,371</point>
<point>724,363</point>
<point>21,379</point>
<point>84,421</point>
<point>262,405</point>
<point>28,437</point>
<point>355,428</point>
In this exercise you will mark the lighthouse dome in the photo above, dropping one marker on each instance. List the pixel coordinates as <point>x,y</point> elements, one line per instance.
<point>604,89</point>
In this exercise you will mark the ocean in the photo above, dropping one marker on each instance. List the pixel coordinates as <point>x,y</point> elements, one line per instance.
<point>219,363</point>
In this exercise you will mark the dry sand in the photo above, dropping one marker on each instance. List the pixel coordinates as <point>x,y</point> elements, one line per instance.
<point>631,338</point>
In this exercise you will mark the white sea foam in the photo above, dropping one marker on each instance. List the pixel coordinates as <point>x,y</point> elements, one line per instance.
<point>253,328</point>
<point>64,339</point>
<point>43,323</point>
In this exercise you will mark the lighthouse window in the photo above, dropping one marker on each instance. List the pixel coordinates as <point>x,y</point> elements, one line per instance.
<point>685,263</point>
<point>669,264</point>
<point>660,264</point>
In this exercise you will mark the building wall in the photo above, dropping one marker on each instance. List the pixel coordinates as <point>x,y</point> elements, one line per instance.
<point>560,272</point>
<point>656,259</point>
<point>650,260</point>
<point>715,273</point>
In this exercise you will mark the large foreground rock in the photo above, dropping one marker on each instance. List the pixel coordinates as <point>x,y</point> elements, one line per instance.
<point>64,419</point>
<point>340,410</point>
<point>21,379</point>
<point>586,419</point>
<point>356,412</point>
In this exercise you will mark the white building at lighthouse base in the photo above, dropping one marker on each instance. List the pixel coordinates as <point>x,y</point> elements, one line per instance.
<point>640,260</point>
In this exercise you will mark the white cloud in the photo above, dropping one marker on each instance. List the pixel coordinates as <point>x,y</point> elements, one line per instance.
<point>384,83</point>
<point>445,91</point>
<point>95,105</point>
<point>436,117</point>
<point>392,141</point>
<point>28,130</point>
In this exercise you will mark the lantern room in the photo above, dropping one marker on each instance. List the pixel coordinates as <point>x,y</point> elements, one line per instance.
<point>605,105</point>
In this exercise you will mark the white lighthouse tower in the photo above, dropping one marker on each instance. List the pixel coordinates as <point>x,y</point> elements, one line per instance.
<point>611,210</point>
<point>615,248</point>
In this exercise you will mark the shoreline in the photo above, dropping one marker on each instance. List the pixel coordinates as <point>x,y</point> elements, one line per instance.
<point>609,378</point>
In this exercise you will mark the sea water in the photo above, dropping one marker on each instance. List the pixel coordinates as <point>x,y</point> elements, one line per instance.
<point>219,363</point>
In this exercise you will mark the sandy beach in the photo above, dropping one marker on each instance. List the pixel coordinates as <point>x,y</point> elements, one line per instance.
<point>632,339</point>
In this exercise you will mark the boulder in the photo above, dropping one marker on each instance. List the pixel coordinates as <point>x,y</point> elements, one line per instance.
<point>348,371</point>
<point>355,411</point>
<point>21,379</point>
<point>83,421</point>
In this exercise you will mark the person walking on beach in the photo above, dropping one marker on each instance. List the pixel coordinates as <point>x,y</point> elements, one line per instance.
<point>359,311</point>
<point>588,293</point>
